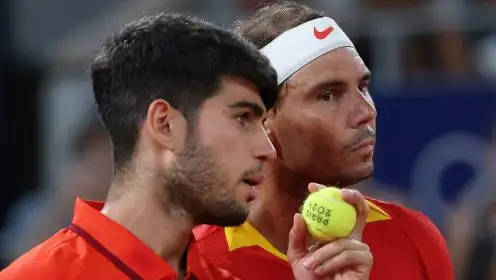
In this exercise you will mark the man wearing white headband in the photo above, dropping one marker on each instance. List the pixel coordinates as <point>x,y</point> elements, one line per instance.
<point>323,128</point>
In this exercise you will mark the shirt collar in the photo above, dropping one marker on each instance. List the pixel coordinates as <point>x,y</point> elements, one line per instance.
<point>246,235</point>
<point>126,246</point>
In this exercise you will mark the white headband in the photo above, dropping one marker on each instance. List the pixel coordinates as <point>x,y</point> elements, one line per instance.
<point>299,46</point>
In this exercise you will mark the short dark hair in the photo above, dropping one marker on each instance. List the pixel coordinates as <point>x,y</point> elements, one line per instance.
<point>174,57</point>
<point>270,21</point>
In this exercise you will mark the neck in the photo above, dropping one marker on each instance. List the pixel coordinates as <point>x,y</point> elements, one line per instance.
<point>142,210</point>
<point>285,189</point>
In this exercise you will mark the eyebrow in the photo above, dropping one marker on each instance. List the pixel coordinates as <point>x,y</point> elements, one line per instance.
<point>254,107</point>
<point>366,76</point>
<point>337,83</point>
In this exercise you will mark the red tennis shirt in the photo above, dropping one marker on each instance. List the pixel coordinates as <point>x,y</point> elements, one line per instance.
<point>405,245</point>
<point>95,247</point>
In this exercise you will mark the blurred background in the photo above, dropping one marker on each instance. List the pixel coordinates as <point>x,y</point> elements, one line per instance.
<point>434,83</point>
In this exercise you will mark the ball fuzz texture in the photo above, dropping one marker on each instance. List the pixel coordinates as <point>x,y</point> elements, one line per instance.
<point>327,215</point>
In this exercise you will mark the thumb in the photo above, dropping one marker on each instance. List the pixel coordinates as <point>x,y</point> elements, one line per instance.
<point>297,247</point>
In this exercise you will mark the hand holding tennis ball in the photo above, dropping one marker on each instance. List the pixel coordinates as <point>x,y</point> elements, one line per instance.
<point>333,257</point>
<point>327,215</point>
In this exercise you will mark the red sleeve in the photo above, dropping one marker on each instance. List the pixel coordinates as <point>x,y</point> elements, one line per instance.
<point>432,246</point>
<point>20,270</point>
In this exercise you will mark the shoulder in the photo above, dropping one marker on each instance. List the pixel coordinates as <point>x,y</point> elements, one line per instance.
<point>408,218</point>
<point>418,228</point>
<point>55,258</point>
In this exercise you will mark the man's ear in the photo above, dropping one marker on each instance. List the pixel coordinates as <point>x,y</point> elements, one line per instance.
<point>159,124</point>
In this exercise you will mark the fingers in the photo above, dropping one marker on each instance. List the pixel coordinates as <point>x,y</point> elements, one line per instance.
<point>335,257</point>
<point>332,250</point>
<point>356,199</point>
<point>313,187</point>
<point>297,247</point>
<point>357,259</point>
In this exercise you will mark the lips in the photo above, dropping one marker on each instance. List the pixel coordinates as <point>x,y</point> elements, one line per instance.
<point>369,142</point>
<point>254,180</point>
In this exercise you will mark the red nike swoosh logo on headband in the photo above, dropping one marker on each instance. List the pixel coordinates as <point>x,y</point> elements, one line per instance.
<point>321,35</point>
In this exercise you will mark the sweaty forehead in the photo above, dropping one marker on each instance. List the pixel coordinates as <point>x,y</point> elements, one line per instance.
<point>343,64</point>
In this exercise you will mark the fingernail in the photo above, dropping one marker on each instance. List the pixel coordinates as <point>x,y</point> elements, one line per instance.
<point>318,270</point>
<point>308,263</point>
<point>320,186</point>
<point>347,192</point>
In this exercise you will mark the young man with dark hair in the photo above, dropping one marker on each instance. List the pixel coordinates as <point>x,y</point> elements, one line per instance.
<point>183,102</point>
<point>323,128</point>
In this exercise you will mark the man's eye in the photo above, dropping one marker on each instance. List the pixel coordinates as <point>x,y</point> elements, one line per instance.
<point>364,88</point>
<point>328,95</point>
<point>243,118</point>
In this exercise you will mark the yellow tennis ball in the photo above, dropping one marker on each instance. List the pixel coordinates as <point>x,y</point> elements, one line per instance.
<point>327,215</point>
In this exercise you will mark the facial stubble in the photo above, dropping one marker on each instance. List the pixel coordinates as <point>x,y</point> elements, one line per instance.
<point>197,184</point>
